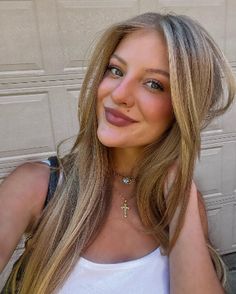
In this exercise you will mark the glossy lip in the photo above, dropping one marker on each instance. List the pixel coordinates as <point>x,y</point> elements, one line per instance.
<point>117,118</point>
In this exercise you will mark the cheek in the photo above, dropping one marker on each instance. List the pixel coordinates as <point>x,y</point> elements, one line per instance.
<point>158,109</point>
<point>100,91</point>
<point>103,89</point>
<point>100,96</point>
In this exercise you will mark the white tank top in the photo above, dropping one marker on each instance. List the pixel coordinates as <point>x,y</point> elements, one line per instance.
<point>148,274</point>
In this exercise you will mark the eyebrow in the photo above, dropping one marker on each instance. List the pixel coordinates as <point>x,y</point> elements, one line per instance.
<point>151,70</point>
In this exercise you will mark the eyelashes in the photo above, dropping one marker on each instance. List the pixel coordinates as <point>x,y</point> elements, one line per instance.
<point>115,71</point>
<point>152,84</point>
<point>155,85</point>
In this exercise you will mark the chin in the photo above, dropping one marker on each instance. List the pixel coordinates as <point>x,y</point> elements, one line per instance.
<point>107,138</point>
<point>109,141</point>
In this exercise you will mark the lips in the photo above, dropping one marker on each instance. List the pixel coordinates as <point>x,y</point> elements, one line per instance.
<point>117,118</point>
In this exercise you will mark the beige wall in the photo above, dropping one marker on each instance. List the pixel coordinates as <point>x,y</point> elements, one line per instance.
<point>42,51</point>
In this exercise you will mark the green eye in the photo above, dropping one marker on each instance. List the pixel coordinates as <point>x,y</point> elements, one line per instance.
<point>115,71</point>
<point>155,85</point>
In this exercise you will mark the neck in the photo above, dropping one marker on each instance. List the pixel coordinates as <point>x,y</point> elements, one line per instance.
<point>124,160</point>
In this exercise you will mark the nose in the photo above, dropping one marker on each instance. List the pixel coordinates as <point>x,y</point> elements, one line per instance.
<point>123,93</point>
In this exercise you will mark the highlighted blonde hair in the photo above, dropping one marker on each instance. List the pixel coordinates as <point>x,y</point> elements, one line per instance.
<point>202,87</point>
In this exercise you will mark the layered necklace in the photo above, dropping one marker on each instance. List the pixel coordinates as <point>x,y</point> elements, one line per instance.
<point>125,180</point>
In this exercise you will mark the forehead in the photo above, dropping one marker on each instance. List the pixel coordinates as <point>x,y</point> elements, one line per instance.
<point>146,46</point>
<point>150,36</point>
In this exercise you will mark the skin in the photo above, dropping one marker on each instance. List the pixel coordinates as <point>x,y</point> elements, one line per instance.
<point>191,268</point>
<point>136,83</point>
<point>126,87</point>
<point>129,88</point>
<point>22,196</point>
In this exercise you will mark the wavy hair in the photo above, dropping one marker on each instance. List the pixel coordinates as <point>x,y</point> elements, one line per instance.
<point>202,88</point>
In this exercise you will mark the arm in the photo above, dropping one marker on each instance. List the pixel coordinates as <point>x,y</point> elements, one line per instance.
<point>22,195</point>
<point>191,268</point>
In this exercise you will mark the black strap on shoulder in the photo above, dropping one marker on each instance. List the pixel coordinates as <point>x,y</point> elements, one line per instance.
<point>54,177</point>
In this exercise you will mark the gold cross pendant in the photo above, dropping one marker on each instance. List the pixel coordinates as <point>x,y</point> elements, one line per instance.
<point>125,208</point>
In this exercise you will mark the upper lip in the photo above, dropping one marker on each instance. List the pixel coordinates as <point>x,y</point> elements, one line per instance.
<point>117,113</point>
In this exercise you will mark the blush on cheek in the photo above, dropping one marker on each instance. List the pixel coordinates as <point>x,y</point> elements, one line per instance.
<point>160,110</point>
<point>167,109</point>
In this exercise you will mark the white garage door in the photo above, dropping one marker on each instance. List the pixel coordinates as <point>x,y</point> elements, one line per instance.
<point>42,51</point>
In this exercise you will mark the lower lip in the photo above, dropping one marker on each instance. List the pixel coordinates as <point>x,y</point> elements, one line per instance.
<point>116,121</point>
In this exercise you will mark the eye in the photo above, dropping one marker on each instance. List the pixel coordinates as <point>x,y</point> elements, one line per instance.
<point>155,85</point>
<point>115,71</point>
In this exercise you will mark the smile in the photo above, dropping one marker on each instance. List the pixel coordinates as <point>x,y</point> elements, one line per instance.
<point>117,118</point>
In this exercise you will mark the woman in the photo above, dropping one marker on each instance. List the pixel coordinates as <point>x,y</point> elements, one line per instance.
<point>126,215</point>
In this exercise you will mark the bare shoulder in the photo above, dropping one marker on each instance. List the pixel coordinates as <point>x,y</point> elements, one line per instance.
<point>26,186</point>
<point>203,213</point>
<point>22,197</point>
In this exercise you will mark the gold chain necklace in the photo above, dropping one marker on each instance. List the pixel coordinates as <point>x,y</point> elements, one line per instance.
<point>125,207</point>
<point>125,179</point>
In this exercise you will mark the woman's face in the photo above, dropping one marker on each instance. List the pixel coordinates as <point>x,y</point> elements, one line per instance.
<point>134,100</point>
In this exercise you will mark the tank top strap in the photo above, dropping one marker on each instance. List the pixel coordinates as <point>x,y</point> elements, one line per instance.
<point>54,177</point>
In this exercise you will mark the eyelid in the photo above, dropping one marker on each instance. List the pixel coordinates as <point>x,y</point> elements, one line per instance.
<point>111,66</point>
<point>160,85</point>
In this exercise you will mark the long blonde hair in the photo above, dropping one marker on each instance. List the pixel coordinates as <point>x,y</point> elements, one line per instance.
<point>202,87</point>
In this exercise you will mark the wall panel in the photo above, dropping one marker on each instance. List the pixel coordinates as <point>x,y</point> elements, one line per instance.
<point>20,43</point>
<point>43,51</point>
